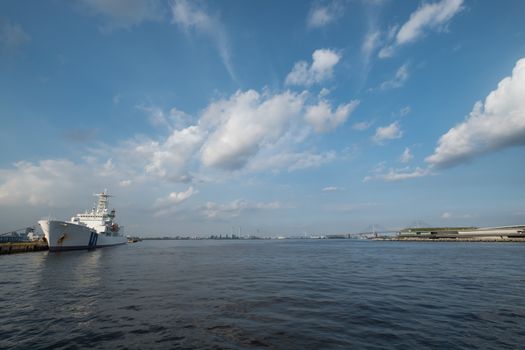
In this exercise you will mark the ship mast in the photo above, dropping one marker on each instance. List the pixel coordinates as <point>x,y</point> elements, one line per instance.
<point>102,205</point>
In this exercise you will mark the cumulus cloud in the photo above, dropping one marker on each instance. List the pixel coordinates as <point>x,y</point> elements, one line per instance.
<point>123,14</point>
<point>12,36</point>
<point>190,16</point>
<point>242,124</point>
<point>168,159</point>
<point>321,69</point>
<point>246,132</point>
<point>406,156</point>
<point>495,124</point>
<point>429,16</point>
<point>389,132</point>
<point>399,79</point>
<point>323,119</point>
<point>321,15</point>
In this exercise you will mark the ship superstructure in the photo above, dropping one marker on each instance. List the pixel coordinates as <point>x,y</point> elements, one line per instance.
<point>99,218</point>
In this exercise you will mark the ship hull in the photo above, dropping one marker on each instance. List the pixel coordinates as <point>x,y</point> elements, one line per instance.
<point>61,235</point>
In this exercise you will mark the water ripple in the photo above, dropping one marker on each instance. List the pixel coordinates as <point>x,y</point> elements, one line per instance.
<point>267,294</point>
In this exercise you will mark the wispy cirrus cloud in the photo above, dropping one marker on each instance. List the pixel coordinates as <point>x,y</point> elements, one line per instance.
<point>361,126</point>
<point>124,14</point>
<point>393,174</point>
<point>398,80</point>
<point>290,160</point>
<point>191,16</point>
<point>323,14</point>
<point>429,16</point>
<point>332,189</point>
<point>407,155</point>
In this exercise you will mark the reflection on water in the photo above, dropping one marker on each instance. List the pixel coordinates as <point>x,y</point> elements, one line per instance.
<point>276,294</point>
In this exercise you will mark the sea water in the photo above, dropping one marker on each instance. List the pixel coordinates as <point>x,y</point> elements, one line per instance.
<point>278,294</point>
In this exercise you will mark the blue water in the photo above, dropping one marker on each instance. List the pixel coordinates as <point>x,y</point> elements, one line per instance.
<point>329,294</point>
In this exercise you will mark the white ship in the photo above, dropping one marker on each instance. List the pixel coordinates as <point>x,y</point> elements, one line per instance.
<point>93,229</point>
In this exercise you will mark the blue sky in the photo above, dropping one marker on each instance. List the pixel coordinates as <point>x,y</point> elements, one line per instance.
<point>278,117</point>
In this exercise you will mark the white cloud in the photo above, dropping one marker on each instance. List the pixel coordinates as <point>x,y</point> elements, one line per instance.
<point>386,52</point>
<point>169,204</point>
<point>406,156</point>
<point>321,69</point>
<point>125,183</point>
<point>361,126</point>
<point>241,125</point>
<point>54,182</point>
<point>247,132</point>
<point>175,198</point>
<point>189,16</point>
<point>174,119</point>
<point>495,124</point>
<point>324,92</point>
<point>233,209</point>
<point>291,161</point>
<point>321,15</point>
<point>12,36</point>
<point>370,43</point>
<point>323,119</point>
<point>429,16</point>
<point>448,215</point>
<point>398,174</point>
<point>389,132</point>
<point>399,79</point>
<point>169,159</point>
<point>331,189</point>
<point>125,13</point>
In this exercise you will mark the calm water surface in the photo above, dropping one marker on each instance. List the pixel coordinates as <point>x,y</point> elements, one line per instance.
<point>267,294</point>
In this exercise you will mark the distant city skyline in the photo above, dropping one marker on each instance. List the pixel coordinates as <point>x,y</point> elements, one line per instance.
<point>283,118</point>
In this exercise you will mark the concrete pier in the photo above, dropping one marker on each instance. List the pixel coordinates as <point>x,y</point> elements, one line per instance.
<point>22,247</point>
